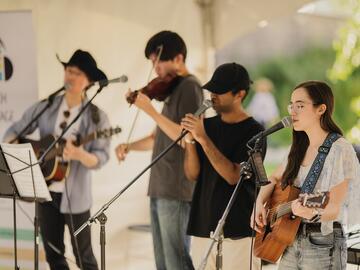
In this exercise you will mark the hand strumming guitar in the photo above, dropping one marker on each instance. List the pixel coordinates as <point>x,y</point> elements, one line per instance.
<point>260,217</point>
<point>72,152</point>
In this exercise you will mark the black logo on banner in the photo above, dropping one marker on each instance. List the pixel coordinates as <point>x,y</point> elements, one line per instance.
<point>6,67</point>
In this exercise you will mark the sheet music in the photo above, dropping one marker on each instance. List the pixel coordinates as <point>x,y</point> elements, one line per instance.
<point>17,157</point>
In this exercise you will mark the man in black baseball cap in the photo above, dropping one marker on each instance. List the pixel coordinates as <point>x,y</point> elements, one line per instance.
<point>215,147</point>
<point>230,77</point>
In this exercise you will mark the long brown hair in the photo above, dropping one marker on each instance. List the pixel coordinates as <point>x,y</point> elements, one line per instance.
<point>320,93</point>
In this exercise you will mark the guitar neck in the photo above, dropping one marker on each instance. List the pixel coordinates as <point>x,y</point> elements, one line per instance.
<point>88,138</point>
<point>317,200</point>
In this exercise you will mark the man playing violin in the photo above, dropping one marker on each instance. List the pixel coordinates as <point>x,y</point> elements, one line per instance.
<point>71,199</point>
<point>169,190</point>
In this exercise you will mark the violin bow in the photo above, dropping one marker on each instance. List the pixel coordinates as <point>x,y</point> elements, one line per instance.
<point>160,49</point>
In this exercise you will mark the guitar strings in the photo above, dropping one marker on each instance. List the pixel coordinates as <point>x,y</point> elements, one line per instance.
<point>280,210</point>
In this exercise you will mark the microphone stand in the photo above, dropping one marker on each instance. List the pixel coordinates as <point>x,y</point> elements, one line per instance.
<point>255,158</point>
<point>36,220</point>
<point>36,223</point>
<point>247,169</point>
<point>51,146</point>
<point>217,235</point>
<point>41,160</point>
<point>49,100</point>
<point>100,215</point>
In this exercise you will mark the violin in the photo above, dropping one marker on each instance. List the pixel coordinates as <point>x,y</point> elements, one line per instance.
<point>158,88</point>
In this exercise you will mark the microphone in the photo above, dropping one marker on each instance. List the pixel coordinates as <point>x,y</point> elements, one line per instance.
<point>206,105</point>
<point>67,86</point>
<point>102,83</point>
<point>285,122</point>
<point>51,97</point>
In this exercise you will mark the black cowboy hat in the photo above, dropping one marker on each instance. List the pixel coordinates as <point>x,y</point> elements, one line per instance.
<point>87,64</point>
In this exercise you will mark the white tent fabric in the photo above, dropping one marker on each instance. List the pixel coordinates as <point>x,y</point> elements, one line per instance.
<point>115,32</point>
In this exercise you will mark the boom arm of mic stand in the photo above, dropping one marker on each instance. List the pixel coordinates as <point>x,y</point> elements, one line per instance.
<point>41,159</point>
<point>22,132</point>
<point>49,100</point>
<point>113,199</point>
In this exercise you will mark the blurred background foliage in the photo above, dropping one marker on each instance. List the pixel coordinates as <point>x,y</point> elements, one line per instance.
<point>338,65</point>
<point>311,64</point>
<point>347,61</point>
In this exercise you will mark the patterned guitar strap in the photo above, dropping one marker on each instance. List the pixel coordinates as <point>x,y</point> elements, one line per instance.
<point>318,164</point>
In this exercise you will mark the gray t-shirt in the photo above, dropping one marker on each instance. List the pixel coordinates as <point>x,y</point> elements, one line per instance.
<point>167,177</point>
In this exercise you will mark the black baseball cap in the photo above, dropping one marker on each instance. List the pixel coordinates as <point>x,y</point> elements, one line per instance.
<point>228,77</point>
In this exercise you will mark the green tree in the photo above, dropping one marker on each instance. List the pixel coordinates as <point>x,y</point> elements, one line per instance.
<point>309,64</point>
<point>347,61</point>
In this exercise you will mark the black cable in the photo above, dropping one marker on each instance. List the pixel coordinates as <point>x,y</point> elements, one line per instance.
<point>253,234</point>
<point>72,230</point>
<point>72,223</point>
<point>24,212</point>
<point>54,248</point>
<point>50,244</point>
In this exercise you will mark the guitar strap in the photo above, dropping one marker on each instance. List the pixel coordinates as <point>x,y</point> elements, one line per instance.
<point>318,164</point>
<point>95,116</point>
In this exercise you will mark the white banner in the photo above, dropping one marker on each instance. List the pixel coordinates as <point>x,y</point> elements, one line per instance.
<point>18,90</point>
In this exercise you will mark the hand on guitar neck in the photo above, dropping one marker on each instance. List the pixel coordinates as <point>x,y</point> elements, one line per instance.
<point>298,209</point>
<point>303,206</point>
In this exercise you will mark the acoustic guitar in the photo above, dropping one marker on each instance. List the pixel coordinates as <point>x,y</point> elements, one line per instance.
<point>54,168</point>
<point>282,225</point>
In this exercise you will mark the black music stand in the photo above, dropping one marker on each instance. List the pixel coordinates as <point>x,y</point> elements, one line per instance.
<point>12,189</point>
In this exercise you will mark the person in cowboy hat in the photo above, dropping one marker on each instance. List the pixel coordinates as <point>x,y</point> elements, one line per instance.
<point>71,198</point>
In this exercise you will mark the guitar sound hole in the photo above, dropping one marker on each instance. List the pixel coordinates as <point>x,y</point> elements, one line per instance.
<point>267,231</point>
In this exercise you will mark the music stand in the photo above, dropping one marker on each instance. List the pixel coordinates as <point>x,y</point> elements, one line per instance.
<point>25,184</point>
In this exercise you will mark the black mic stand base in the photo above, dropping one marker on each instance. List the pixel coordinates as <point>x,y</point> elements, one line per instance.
<point>99,215</point>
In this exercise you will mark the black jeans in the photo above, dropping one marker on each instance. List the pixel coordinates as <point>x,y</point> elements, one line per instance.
<point>52,225</point>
